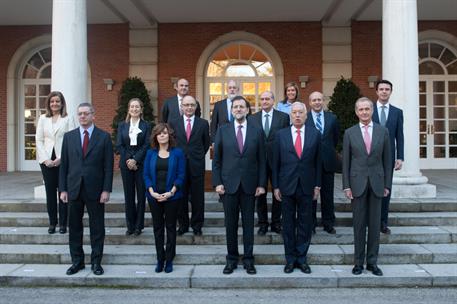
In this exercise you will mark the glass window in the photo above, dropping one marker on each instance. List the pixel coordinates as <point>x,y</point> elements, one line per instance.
<point>240,70</point>
<point>430,68</point>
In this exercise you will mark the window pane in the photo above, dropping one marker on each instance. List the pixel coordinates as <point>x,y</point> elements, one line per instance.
<point>30,72</point>
<point>453,139</point>
<point>30,103</point>
<point>46,54</point>
<point>438,113</point>
<point>264,86</point>
<point>452,112</point>
<point>453,152</point>
<point>45,90</point>
<point>453,99</point>
<point>431,68</point>
<point>452,68</point>
<point>423,152</point>
<point>447,57</point>
<point>423,100</point>
<point>422,86</point>
<point>36,61</point>
<point>239,70</point>
<point>29,90</point>
<point>452,87</point>
<point>452,125</point>
<point>30,115</point>
<point>435,50</point>
<point>46,72</point>
<point>251,100</point>
<point>423,50</point>
<point>265,69</point>
<point>423,126</point>
<point>248,88</point>
<point>215,88</point>
<point>215,70</point>
<point>423,139</point>
<point>30,154</point>
<point>30,128</point>
<point>440,139</point>
<point>439,152</point>
<point>438,99</point>
<point>439,125</point>
<point>438,86</point>
<point>246,51</point>
<point>43,102</point>
<point>423,112</point>
<point>232,51</point>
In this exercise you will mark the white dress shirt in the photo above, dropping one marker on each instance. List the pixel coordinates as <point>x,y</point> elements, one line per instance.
<point>315,118</point>
<point>81,132</point>
<point>185,118</point>
<point>370,129</point>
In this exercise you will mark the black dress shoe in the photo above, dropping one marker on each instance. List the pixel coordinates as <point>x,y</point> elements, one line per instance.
<point>75,268</point>
<point>63,230</point>
<point>97,269</point>
<point>159,266</point>
<point>229,267</point>
<point>197,232</point>
<point>52,229</point>
<point>304,268</point>
<point>276,229</point>
<point>289,268</point>
<point>181,231</point>
<point>129,232</point>
<point>262,230</point>
<point>330,230</point>
<point>137,232</point>
<point>374,269</point>
<point>250,268</point>
<point>385,230</point>
<point>357,269</point>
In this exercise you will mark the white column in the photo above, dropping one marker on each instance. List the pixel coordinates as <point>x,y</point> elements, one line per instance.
<point>69,51</point>
<point>400,66</point>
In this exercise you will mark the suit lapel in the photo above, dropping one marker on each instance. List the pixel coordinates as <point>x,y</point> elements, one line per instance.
<point>225,113</point>
<point>358,136</point>
<point>289,141</point>
<point>171,165</point>
<point>93,140</point>
<point>194,128</point>
<point>375,137</point>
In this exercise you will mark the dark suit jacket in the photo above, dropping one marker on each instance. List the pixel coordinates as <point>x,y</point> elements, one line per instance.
<point>96,169</point>
<point>329,140</point>
<point>219,117</point>
<point>232,168</point>
<point>288,169</point>
<point>176,171</point>
<point>170,109</point>
<point>359,167</point>
<point>280,121</point>
<point>394,124</point>
<point>126,151</point>
<point>194,150</point>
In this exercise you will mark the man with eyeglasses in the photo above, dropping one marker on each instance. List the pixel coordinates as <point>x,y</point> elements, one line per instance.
<point>192,136</point>
<point>86,178</point>
<point>270,121</point>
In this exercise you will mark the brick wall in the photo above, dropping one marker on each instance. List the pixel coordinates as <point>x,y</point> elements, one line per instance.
<point>298,44</point>
<point>108,55</point>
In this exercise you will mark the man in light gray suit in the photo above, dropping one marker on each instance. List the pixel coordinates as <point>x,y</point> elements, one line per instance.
<point>366,180</point>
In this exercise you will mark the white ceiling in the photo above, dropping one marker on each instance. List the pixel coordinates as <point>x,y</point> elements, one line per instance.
<point>147,12</point>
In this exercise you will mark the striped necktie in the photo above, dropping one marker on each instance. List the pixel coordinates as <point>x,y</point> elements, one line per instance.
<point>319,123</point>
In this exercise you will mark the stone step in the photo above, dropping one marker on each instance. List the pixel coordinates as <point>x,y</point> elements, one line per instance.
<point>117,219</point>
<point>212,205</point>
<point>216,236</point>
<point>215,254</point>
<point>210,276</point>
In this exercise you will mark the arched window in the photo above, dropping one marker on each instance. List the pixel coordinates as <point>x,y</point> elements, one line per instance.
<point>36,86</point>
<point>437,105</point>
<point>244,63</point>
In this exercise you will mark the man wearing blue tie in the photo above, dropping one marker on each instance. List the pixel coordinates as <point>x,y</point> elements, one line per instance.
<point>328,126</point>
<point>390,117</point>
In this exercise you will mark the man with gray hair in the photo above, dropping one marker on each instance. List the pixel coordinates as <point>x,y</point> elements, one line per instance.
<point>86,179</point>
<point>270,121</point>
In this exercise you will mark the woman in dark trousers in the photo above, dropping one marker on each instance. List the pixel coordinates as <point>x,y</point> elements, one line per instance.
<point>164,170</point>
<point>132,143</point>
<point>49,135</point>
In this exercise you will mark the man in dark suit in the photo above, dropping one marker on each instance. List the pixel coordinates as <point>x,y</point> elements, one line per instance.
<point>222,111</point>
<point>296,182</point>
<point>270,121</point>
<point>192,136</point>
<point>171,108</point>
<point>366,179</point>
<point>328,126</point>
<point>86,178</point>
<point>239,175</point>
<point>392,118</point>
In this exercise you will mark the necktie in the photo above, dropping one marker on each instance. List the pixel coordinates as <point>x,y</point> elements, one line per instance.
<point>266,127</point>
<point>298,147</point>
<point>85,143</point>
<point>367,139</point>
<point>239,139</point>
<point>188,129</point>
<point>383,116</point>
<point>319,123</point>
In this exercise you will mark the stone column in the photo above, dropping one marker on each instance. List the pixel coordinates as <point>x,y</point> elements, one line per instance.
<point>69,52</point>
<point>400,66</point>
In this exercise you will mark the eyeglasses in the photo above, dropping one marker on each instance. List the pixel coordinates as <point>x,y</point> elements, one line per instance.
<point>85,113</point>
<point>265,98</point>
<point>188,105</point>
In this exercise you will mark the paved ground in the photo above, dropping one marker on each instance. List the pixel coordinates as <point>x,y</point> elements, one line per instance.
<point>20,185</point>
<point>229,296</point>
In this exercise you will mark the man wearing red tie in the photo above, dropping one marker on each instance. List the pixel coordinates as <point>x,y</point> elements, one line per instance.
<point>366,180</point>
<point>296,182</point>
<point>192,136</point>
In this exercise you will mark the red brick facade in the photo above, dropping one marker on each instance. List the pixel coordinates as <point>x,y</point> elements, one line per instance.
<point>108,54</point>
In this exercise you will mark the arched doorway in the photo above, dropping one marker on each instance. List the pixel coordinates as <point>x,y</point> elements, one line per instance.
<point>245,63</point>
<point>437,105</point>
<point>35,87</point>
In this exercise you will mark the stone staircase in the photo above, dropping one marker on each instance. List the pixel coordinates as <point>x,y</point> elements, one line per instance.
<point>421,251</point>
